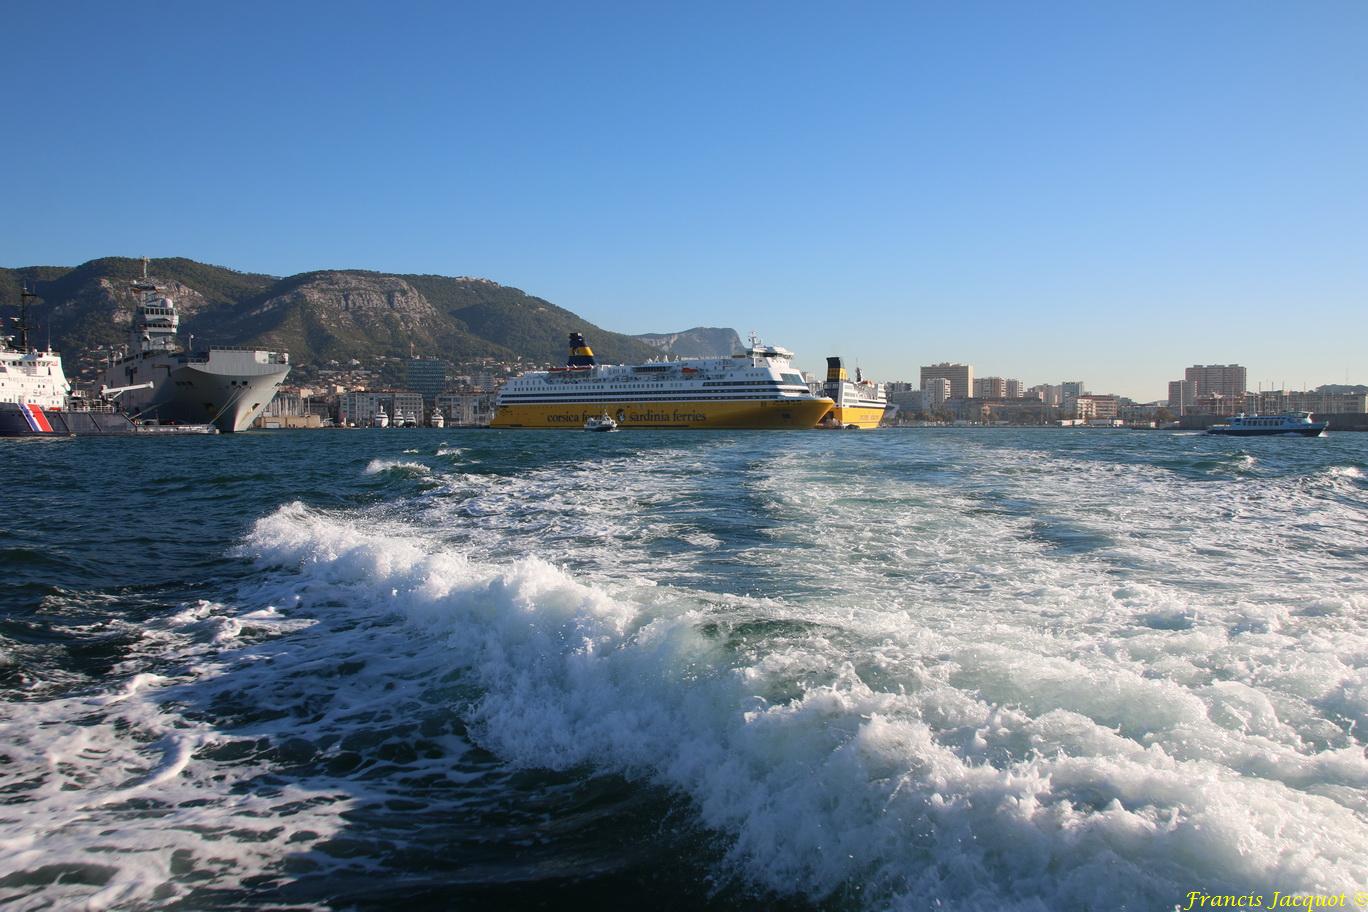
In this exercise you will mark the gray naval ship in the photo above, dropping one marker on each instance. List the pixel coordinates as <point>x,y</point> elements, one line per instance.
<point>225,387</point>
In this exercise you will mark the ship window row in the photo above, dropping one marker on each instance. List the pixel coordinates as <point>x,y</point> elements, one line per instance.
<point>746,383</point>
<point>654,387</point>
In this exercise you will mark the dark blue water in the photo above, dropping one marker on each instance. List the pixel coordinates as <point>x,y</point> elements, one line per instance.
<point>985,668</point>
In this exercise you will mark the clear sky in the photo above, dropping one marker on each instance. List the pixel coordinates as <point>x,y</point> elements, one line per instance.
<point>1104,191</point>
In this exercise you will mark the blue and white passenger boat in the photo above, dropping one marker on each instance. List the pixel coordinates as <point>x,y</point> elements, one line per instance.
<point>1295,424</point>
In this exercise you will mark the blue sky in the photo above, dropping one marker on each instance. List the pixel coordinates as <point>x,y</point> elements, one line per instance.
<point>1097,191</point>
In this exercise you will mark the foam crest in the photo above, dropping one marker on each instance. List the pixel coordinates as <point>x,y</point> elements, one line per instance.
<point>848,752</point>
<point>398,466</point>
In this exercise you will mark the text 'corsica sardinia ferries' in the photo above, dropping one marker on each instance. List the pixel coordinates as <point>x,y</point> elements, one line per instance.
<point>756,389</point>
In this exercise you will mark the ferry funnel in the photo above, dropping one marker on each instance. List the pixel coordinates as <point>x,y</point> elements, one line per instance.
<point>834,370</point>
<point>580,353</point>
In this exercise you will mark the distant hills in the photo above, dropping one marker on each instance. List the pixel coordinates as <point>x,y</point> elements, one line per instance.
<point>698,342</point>
<point>331,315</point>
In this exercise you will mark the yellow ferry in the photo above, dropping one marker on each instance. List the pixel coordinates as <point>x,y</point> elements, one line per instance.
<point>756,389</point>
<point>859,403</point>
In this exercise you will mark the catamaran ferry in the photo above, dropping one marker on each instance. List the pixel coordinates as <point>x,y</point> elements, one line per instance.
<point>756,389</point>
<point>860,403</point>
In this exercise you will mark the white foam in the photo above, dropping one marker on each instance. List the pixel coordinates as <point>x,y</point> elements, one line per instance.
<point>378,466</point>
<point>114,784</point>
<point>1040,681</point>
<point>954,762</point>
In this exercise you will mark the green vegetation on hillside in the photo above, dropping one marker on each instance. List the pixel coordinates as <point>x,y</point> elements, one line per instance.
<point>316,316</point>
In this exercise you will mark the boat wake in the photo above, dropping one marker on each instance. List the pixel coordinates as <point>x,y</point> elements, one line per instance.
<point>960,684</point>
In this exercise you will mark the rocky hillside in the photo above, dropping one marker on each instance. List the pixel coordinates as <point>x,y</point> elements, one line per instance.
<point>316,316</point>
<point>699,342</point>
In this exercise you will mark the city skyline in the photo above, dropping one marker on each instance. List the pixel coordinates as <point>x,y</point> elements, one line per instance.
<point>1071,190</point>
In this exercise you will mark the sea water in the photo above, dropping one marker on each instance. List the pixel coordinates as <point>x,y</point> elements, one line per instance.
<point>899,669</point>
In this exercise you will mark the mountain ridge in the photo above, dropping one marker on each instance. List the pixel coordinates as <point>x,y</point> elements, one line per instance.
<point>699,342</point>
<point>317,316</point>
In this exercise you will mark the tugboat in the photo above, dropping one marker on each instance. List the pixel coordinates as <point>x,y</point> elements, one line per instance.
<point>1291,424</point>
<point>601,423</point>
<point>35,398</point>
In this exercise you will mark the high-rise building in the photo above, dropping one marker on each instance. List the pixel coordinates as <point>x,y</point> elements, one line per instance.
<point>990,388</point>
<point>935,390</point>
<point>1226,380</point>
<point>1180,397</point>
<point>1014,389</point>
<point>426,376</point>
<point>1071,389</point>
<point>1046,393</point>
<point>961,377</point>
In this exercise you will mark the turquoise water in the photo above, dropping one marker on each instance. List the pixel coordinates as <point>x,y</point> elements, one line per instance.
<point>985,669</point>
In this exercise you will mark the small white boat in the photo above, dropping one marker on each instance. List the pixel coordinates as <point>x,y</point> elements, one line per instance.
<point>1294,424</point>
<point>601,423</point>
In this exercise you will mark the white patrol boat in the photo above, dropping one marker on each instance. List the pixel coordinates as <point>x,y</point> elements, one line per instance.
<point>35,396</point>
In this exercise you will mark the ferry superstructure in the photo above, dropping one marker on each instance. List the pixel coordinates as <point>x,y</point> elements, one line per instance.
<point>226,387</point>
<point>758,388</point>
<point>859,403</point>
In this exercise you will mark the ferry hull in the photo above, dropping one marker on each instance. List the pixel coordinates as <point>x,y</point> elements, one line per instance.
<point>759,414</point>
<point>32,421</point>
<point>1314,431</point>
<point>857,416</point>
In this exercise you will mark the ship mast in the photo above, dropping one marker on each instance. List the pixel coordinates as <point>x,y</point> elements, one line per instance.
<point>23,325</point>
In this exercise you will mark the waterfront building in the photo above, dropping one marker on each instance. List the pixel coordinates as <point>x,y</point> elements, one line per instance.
<point>472,408</point>
<point>1216,404</point>
<point>961,377</point>
<point>1275,402</point>
<point>935,390</point>
<point>1071,389</point>
<point>1046,393</point>
<point>1227,380</point>
<point>1014,389</point>
<point>1181,396</point>
<point>360,408</point>
<point>426,376</point>
<point>1100,406</point>
<point>1016,411</point>
<point>990,388</point>
<point>908,401</point>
